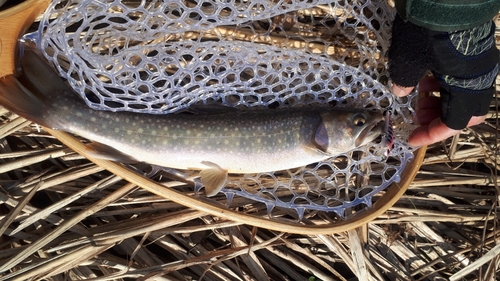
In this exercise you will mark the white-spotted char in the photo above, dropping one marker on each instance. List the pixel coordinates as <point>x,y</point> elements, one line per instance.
<point>248,141</point>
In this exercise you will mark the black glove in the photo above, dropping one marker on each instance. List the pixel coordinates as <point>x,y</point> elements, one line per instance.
<point>464,62</point>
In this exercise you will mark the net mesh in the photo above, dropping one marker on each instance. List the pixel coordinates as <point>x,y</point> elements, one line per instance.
<point>161,57</point>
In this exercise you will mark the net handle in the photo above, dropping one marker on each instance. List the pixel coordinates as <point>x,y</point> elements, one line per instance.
<point>14,22</point>
<point>393,193</point>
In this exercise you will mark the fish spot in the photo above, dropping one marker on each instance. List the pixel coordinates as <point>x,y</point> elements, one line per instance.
<point>79,114</point>
<point>117,119</point>
<point>165,142</point>
<point>186,141</point>
<point>104,126</point>
<point>129,132</point>
<point>226,129</point>
<point>197,142</point>
<point>133,123</point>
<point>174,137</point>
<point>258,140</point>
<point>127,120</point>
<point>92,119</point>
<point>140,130</point>
<point>143,141</point>
<point>226,141</point>
<point>153,132</point>
<point>188,132</point>
<point>165,128</point>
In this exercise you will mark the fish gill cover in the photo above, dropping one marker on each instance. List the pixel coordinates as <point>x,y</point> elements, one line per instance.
<point>161,57</point>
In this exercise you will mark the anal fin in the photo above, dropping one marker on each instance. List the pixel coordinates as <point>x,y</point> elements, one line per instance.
<point>213,178</point>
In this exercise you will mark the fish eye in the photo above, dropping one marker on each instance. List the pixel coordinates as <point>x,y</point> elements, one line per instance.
<point>359,120</point>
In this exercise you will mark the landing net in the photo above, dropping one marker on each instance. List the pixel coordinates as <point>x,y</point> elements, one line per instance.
<point>161,57</point>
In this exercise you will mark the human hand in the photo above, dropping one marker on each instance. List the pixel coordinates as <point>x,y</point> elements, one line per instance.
<point>463,74</point>
<point>428,114</point>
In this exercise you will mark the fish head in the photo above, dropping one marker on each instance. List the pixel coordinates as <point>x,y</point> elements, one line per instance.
<point>343,130</point>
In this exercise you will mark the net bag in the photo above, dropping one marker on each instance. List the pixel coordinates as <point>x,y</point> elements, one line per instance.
<point>163,57</point>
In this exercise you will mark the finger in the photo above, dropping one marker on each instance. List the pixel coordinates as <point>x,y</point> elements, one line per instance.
<point>436,131</point>
<point>476,120</point>
<point>401,91</point>
<point>409,54</point>
<point>429,102</point>
<point>428,134</point>
<point>426,116</point>
<point>428,109</point>
<point>428,84</point>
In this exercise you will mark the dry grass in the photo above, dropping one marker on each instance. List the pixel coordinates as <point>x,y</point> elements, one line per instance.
<point>64,218</point>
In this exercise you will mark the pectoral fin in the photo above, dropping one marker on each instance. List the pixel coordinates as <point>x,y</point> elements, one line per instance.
<point>102,151</point>
<point>313,151</point>
<point>213,178</point>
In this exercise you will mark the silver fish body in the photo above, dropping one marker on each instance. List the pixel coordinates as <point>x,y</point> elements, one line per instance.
<point>234,142</point>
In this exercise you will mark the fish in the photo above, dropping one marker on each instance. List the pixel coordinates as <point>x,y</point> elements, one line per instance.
<point>216,144</point>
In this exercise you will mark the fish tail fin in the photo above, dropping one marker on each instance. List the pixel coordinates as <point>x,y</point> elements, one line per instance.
<point>30,94</point>
<point>18,99</point>
<point>40,78</point>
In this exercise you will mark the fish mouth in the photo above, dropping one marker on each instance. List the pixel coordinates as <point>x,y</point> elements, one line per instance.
<point>370,133</point>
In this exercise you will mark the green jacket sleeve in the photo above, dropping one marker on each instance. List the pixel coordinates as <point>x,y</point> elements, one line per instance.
<point>447,15</point>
